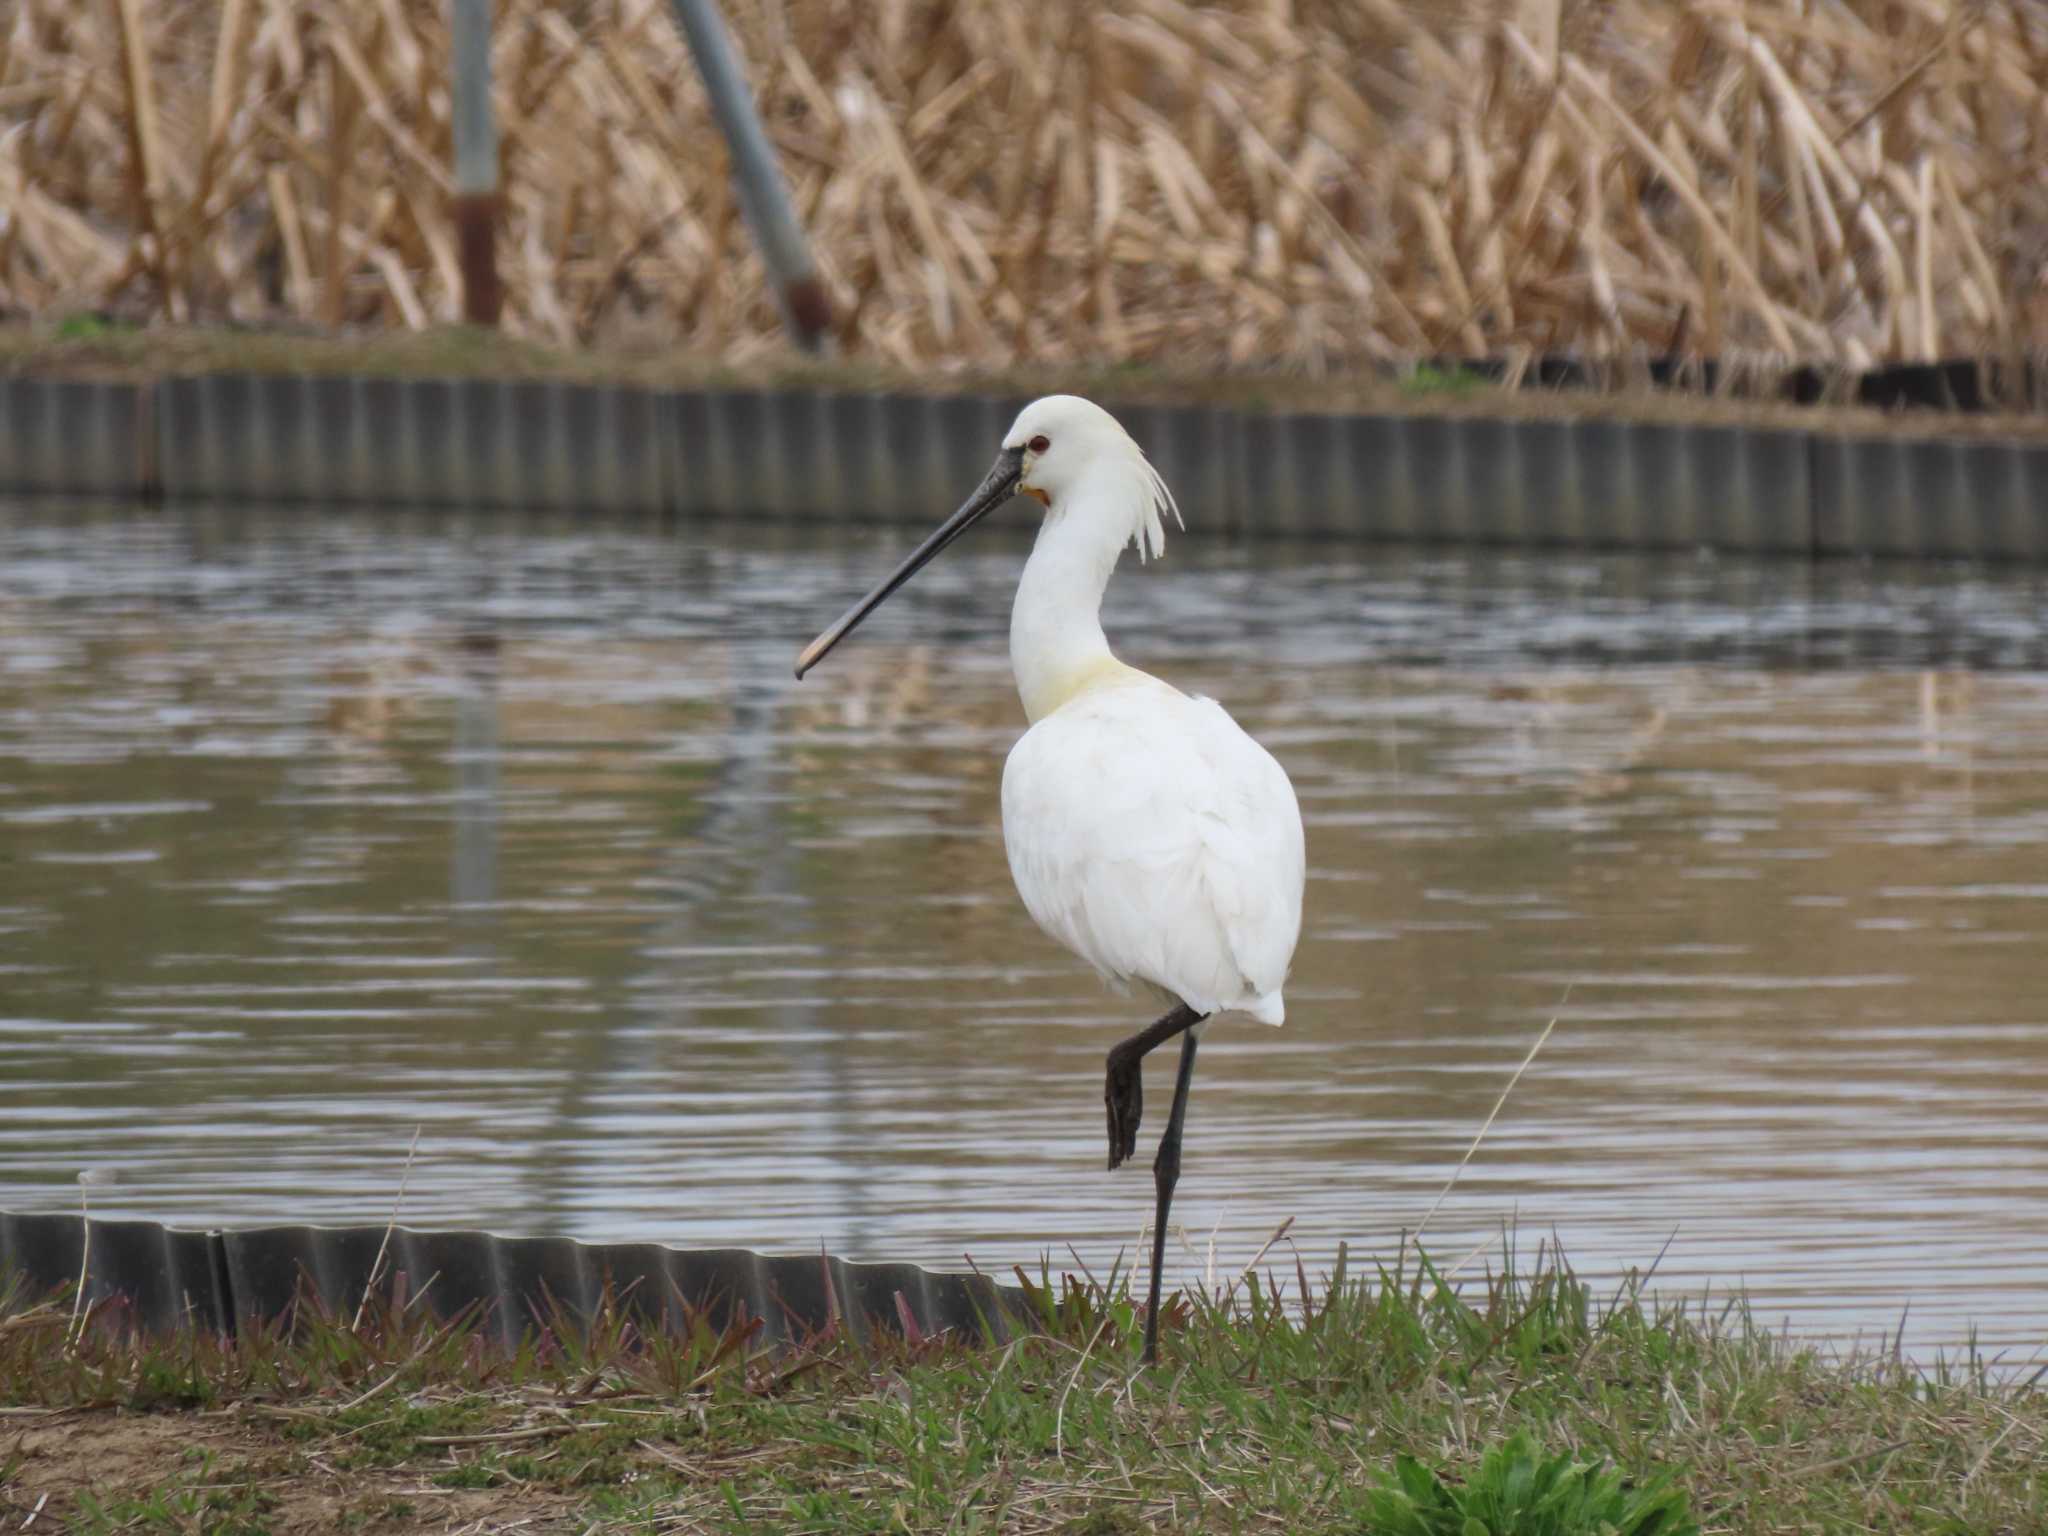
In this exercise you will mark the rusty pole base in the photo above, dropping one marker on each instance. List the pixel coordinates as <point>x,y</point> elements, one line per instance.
<point>476,232</point>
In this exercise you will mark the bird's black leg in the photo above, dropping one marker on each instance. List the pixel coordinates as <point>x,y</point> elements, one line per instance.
<point>1166,1174</point>
<point>1123,1086</point>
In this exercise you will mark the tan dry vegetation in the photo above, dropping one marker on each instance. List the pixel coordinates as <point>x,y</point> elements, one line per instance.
<point>229,1471</point>
<point>1305,186</point>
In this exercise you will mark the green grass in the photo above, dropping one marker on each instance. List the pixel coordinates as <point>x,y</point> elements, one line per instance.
<point>88,326</point>
<point>1519,1404</point>
<point>192,1500</point>
<point>1429,380</point>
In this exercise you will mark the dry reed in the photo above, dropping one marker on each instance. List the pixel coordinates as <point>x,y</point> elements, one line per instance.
<point>1308,185</point>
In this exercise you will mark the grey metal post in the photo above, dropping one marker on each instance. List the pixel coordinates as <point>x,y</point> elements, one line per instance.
<point>763,197</point>
<point>476,162</point>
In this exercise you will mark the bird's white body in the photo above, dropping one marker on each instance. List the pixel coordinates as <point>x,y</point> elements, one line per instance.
<point>1146,831</point>
<point>1156,840</point>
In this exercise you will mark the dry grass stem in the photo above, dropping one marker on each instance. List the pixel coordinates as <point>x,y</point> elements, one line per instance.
<point>77,1321</point>
<point>384,1247</point>
<point>1492,1115</point>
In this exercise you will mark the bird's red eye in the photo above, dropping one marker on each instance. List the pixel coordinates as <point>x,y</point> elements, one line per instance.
<point>1040,443</point>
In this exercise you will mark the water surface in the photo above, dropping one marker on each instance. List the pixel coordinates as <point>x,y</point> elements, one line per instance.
<point>318,827</point>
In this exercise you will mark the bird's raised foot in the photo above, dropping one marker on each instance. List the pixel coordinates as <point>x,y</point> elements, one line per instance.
<point>1123,1093</point>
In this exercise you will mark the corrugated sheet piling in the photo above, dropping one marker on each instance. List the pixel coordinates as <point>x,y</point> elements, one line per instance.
<point>1551,481</point>
<point>229,1281</point>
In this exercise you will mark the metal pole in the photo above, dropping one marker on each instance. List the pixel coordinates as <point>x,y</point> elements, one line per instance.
<point>763,198</point>
<point>476,163</point>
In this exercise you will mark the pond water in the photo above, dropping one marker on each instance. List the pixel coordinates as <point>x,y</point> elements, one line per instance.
<point>320,827</point>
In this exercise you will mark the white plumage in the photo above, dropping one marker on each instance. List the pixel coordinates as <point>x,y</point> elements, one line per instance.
<point>1145,830</point>
<point>1156,840</point>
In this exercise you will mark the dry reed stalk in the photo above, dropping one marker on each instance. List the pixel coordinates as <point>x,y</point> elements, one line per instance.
<point>226,82</point>
<point>1710,226</point>
<point>1750,108</point>
<point>1923,264</point>
<point>1596,263</point>
<point>1310,187</point>
<point>341,121</point>
<point>368,98</point>
<point>1978,263</point>
<point>299,270</point>
<point>144,147</point>
<point>1813,282</point>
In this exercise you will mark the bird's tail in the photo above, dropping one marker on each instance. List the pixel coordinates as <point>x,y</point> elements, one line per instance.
<point>1268,1008</point>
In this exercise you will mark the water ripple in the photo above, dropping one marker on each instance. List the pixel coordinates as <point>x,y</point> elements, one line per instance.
<point>328,827</point>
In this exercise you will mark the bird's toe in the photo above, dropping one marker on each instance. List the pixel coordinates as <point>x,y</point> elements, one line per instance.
<point>1123,1096</point>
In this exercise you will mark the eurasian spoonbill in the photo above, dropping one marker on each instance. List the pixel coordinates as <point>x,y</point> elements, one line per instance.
<point>1145,830</point>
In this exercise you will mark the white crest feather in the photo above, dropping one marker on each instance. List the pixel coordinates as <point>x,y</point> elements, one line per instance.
<point>1155,500</point>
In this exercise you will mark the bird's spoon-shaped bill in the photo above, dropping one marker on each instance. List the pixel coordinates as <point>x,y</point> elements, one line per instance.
<point>995,489</point>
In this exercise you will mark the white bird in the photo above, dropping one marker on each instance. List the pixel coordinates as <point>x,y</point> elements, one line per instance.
<point>1146,831</point>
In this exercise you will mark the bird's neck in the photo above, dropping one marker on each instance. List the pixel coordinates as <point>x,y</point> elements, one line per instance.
<point>1057,648</point>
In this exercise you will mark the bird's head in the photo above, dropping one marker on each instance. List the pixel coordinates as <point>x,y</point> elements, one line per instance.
<point>1069,448</point>
<point>1073,458</point>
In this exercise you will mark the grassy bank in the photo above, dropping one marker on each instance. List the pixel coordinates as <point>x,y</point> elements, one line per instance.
<point>89,346</point>
<point>1397,1404</point>
<point>1306,187</point>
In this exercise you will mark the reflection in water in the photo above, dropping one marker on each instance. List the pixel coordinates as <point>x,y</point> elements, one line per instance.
<point>316,829</point>
<point>475,882</point>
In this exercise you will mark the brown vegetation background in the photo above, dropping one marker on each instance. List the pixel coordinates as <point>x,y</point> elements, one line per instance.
<point>1309,185</point>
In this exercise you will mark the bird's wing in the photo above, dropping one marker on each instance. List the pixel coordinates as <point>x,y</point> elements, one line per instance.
<point>1255,858</point>
<point>1150,835</point>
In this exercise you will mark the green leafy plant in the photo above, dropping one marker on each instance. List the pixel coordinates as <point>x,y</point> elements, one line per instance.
<point>1517,1491</point>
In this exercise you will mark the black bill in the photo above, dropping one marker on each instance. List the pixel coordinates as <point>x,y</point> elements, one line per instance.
<point>994,490</point>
